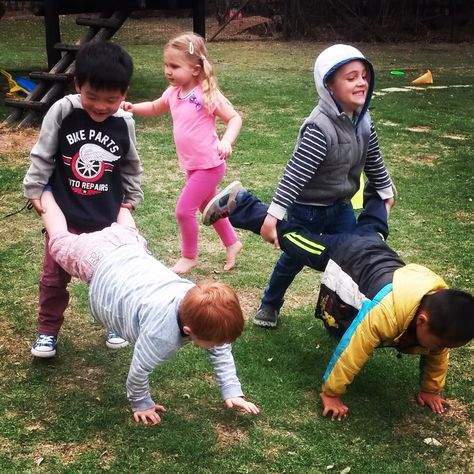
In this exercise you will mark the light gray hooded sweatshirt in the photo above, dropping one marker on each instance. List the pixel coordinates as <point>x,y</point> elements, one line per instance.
<point>338,177</point>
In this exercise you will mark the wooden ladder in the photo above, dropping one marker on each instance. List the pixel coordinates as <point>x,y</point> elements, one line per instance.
<point>51,84</point>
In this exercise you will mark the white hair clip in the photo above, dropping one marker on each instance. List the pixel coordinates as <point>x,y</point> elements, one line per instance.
<point>191,47</point>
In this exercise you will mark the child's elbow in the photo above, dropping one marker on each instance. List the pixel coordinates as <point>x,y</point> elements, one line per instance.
<point>237,118</point>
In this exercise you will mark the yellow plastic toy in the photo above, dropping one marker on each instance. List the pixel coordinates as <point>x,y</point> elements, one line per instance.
<point>19,87</point>
<point>358,198</point>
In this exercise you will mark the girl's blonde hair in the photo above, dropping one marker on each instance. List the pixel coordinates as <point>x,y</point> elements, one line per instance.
<point>196,52</point>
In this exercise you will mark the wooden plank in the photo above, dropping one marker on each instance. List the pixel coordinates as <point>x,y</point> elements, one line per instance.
<point>26,104</point>
<point>97,22</point>
<point>52,77</point>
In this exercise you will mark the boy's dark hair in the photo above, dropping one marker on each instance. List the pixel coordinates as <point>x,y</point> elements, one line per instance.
<point>104,65</point>
<point>450,315</point>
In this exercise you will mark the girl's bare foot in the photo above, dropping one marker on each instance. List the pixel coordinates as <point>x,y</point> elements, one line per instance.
<point>183,265</point>
<point>231,253</point>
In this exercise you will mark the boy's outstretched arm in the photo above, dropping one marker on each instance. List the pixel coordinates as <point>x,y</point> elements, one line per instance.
<point>240,402</point>
<point>124,217</point>
<point>335,406</point>
<point>52,215</point>
<point>433,371</point>
<point>223,362</point>
<point>148,108</point>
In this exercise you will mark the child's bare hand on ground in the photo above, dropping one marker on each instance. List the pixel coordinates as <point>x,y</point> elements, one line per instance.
<point>433,400</point>
<point>269,232</point>
<point>36,203</point>
<point>335,406</point>
<point>149,416</point>
<point>239,402</point>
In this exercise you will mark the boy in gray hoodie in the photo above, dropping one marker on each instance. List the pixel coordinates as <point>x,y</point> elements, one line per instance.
<point>86,152</point>
<point>335,144</point>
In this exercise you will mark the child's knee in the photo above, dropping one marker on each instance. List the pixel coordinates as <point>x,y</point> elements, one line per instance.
<point>185,214</point>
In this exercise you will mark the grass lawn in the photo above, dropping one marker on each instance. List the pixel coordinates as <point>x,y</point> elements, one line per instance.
<point>70,414</point>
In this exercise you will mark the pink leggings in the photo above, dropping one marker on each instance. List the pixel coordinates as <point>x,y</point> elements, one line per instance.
<point>200,188</point>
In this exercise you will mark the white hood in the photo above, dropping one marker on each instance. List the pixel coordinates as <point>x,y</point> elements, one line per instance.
<point>332,59</point>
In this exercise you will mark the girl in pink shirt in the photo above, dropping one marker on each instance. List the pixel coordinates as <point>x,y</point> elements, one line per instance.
<point>194,102</point>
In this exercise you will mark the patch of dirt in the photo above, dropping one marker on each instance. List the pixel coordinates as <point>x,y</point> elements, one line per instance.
<point>458,411</point>
<point>249,300</point>
<point>159,29</point>
<point>435,428</point>
<point>423,159</point>
<point>13,348</point>
<point>230,435</point>
<point>13,140</point>
<point>245,28</point>
<point>91,379</point>
<point>453,136</point>
<point>67,452</point>
<point>35,427</point>
<point>419,129</point>
<point>388,123</point>
<point>465,217</point>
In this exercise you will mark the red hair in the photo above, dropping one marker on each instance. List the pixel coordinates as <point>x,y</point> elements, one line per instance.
<point>212,311</point>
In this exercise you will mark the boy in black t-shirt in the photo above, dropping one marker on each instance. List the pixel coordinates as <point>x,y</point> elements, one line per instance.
<point>87,153</point>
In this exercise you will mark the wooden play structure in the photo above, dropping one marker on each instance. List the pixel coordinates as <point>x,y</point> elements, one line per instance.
<point>108,16</point>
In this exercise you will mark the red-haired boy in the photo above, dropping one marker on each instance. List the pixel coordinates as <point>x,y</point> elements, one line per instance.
<point>149,305</point>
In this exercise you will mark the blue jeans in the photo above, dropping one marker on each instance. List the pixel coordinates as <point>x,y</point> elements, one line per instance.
<point>250,214</point>
<point>315,250</point>
<point>333,219</point>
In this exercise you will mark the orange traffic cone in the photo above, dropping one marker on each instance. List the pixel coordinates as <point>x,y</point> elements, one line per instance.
<point>426,78</point>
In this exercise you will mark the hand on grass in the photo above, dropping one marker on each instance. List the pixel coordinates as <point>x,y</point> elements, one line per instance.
<point>36,203</point>
<point>239,402</point>
<point>149,416</point>
<point>433,400</point>
<point>335,406</point>
<point>269,232</point>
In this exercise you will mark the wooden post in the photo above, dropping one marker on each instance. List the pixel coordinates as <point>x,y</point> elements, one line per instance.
<point>199,17</point>
<point>52,30</point>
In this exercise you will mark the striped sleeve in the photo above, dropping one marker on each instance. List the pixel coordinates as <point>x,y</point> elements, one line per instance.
<point>149,352</point>
<point>224,367</point>
<point>302,166</point>
<point>375,168</point>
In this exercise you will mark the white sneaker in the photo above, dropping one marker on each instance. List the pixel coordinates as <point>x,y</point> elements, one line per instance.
<point>114,341</point>
<point>44,346</point>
